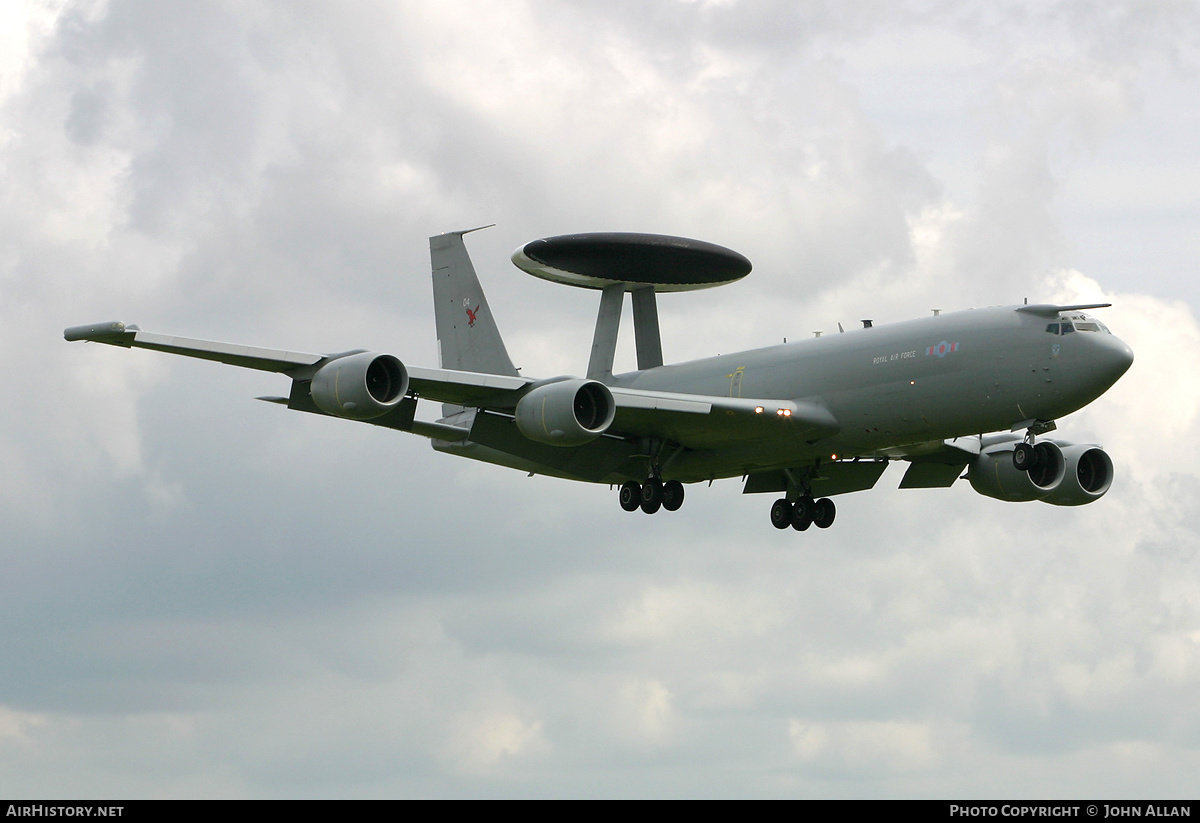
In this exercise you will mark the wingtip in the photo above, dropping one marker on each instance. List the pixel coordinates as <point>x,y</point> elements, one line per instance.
<point>111,332</point>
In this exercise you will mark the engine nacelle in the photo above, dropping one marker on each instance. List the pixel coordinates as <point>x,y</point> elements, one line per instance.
<point>360,386</point>
<point>1064,474</point>
<point>1088,477</point>
<point>566,413</point>
<point>993,474</point>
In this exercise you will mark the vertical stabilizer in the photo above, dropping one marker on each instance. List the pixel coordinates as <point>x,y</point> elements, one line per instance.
<point>468,337</point>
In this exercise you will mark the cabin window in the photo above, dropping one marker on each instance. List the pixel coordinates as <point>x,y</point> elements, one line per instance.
<point>1052,328</point>
<point>1067,328</point>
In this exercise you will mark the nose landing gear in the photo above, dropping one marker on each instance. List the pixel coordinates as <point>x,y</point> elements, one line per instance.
<point>1026,455</point>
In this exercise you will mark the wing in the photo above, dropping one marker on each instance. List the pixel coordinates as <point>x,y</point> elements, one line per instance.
<point>249,357</point>
<point>693,421</point>
<point>464,388</point>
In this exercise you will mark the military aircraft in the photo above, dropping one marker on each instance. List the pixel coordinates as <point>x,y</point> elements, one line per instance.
<point>808,420</point>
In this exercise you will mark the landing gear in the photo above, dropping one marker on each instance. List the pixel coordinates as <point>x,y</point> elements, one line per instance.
<point>781,513</point>
<point>1025,457</point>
<point>672,495</point>
<point>651,496</point>
<point>803,513</point>
<point>824,514</point>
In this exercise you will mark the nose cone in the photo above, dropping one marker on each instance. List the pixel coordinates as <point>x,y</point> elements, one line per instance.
<point>1111,358</point>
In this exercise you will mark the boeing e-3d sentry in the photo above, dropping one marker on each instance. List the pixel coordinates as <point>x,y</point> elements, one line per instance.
<point>972,390</point>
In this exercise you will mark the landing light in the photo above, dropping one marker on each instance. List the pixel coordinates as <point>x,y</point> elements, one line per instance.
<point>758,409</point>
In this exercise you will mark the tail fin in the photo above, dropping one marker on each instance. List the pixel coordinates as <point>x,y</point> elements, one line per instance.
<point>468,338</point>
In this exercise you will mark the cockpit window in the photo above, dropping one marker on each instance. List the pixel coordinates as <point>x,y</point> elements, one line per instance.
<point>1084,322</point>
<point>1076,322</point>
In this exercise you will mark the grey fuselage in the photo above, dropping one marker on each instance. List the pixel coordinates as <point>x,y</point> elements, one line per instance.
<point>891,387</point>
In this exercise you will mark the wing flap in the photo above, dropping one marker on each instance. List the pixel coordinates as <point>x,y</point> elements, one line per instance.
<point>931,475</point>
<point>464,388</point>
<point>828,479</point>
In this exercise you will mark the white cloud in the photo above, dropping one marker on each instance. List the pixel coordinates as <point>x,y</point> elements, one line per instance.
<point>479,742</point>
<point>896,747</point>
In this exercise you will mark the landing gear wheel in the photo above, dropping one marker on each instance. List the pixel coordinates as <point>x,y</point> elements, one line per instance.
<point>781,513</point>
<point>652,495</point>
<point>630,496</point>
<point>802,513</point>
<point>824,514</point>
<point>672,496</point>
<point>1025,457</point>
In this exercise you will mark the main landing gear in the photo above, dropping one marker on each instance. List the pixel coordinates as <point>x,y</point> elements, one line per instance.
<point>803,513</point>
<point>651,496</point>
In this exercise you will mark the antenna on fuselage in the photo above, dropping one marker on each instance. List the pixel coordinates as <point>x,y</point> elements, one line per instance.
<point>642,264</point>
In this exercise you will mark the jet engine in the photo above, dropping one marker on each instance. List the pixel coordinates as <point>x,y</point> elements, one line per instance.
<point>566,413</point>
<point>360,386</point>
<point>1088,476</point>
<point>1063,474</point>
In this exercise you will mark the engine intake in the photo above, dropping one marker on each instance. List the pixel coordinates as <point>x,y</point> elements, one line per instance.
<point>360,386</point>
<point>566,413</point>
<point>1089,476</point>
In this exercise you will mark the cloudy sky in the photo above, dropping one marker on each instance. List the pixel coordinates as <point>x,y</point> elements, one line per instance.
<point>205,595</point>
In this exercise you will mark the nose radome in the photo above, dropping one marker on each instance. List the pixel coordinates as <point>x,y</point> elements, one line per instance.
<point>1113,358</point>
